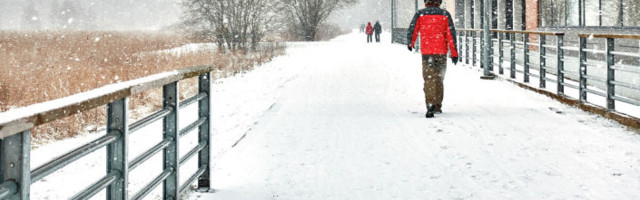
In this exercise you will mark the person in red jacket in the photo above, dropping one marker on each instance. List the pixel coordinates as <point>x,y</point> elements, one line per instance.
<point>437,38</point>
<point>369,32</point>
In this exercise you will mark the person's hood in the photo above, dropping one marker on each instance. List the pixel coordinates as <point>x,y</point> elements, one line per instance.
<point>369,24</point>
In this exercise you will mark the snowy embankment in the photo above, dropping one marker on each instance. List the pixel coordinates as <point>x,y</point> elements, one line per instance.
<point>237,103</point>
<point>350,125</point>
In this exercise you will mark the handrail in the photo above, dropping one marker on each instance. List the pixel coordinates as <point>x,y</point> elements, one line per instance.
<point>529,32</point>
<point>514,31</point>
<point>617,36</point>
<point>21,119</point>
<point>153,184</point>
<point>8,188</point>
<point>15,136</point>
<point>97,186</point>
<point>519,49</point>
<point>469,30</point>
<point>68,158</point>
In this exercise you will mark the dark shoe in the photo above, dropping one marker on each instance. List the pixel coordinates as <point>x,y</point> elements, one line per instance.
<point>438,109</point>
<point>430,111</point>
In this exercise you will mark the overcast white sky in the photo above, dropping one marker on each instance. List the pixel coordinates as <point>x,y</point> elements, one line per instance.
<point>109,14</point>
<point>156,14</point>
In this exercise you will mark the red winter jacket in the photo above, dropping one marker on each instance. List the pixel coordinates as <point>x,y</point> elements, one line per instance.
<point>369,29</point>
<point>437,32</point>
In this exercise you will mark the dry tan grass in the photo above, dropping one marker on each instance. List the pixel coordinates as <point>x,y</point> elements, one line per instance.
<point>38,67</point>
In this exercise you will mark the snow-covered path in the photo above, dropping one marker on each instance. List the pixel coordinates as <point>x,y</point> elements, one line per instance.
<point>349,124</point>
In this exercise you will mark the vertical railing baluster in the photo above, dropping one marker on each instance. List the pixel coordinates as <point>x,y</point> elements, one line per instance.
<point>611,89</point>
<point>204,82</point>
<point>513,56</point>
<point>500,53</point>
<point>459,45</point>
<point>560,63</point>
<point>543,60</point>
<point>117,160</point>
<point>473,59</point>
<point>525,39</point>
<point>170,122</point>
<point>583,70</point>
<point>15,153</point>
<point>466,47</point>
<point>491,52</point>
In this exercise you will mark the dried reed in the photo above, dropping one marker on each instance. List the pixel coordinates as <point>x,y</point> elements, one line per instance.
<point>42,66</point>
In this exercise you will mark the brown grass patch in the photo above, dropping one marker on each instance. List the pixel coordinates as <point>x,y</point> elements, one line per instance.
<point>42,66</point>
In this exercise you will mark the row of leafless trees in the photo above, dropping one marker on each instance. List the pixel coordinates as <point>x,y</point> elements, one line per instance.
<point>242,24</point>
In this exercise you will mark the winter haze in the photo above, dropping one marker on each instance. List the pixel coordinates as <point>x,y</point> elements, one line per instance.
<point>155,14</point>
<point>371,10</point>
<point>88,14</point>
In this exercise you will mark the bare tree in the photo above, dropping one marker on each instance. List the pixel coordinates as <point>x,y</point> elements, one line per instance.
<point>232,24</point>
<point>305,16</point>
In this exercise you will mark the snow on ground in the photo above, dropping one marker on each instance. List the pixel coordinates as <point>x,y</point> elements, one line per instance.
<point>349,124</point>
<point>345,120</point>
<point>237,104</point>
<point>189,48</point>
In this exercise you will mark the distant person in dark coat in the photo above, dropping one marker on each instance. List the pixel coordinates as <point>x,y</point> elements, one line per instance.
<point>369,32</point>
<point>362,27</point>
<point>377,29</point>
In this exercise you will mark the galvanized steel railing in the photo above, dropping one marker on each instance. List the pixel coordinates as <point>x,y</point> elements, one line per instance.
<point>502,37</point>
<point>522,45</point>
<point>612,64</point>
<point>15,138</point>
<point>399,35</point>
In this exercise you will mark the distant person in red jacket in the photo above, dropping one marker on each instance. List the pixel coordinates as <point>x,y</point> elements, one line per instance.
<point>369,32</point>
<point>437,38</point>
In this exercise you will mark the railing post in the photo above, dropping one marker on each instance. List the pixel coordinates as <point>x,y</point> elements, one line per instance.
<point>204,130</point>
<point>560,62</point>
<point>466,46</point>
<point>460,47</point>
<point>525,39</point>
<point>611,88</point>
<point>117,160</point>
<point>170,122</point>
<point>583,70</point>
<point>15,153</point>
<point>473,57</point>
<point>513,55</point>
<point>543,60</point>
<point>500,53</point>
<point>490,52</point>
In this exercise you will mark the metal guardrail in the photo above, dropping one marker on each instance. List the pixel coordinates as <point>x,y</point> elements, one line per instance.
<point>399,35</point>
<point>611,56</point>
<point>468,47</point>
<point>15,136</point>
<point>510,36</point>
